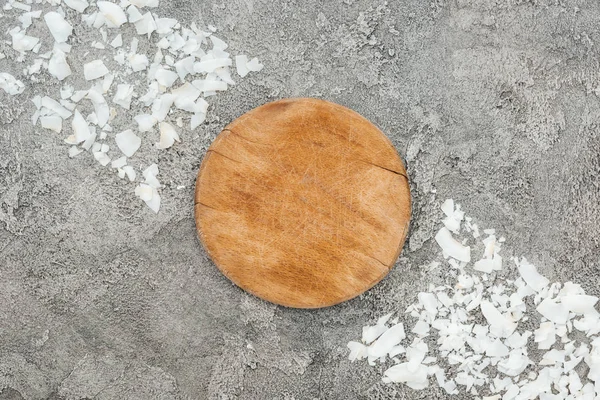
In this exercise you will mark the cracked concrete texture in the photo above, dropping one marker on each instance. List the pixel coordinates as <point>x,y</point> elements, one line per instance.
<point>492,103</point>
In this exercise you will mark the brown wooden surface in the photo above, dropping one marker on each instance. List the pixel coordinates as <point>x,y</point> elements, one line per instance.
<point>303,203</point>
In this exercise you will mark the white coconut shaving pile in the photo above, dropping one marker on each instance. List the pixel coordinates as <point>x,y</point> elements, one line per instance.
<point>469,337</point>
<point>188,65</point>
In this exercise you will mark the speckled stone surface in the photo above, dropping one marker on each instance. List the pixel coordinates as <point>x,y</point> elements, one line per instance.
<point>492,103</point>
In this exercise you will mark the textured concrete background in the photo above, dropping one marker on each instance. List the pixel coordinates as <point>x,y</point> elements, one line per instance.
<point>493,103</point>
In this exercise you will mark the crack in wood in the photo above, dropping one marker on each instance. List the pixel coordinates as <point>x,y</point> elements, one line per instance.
<point>205,205</point>
<point>245,138</point>
<point>222,155</point>
<point>379,261</point>
<point>387,169</point>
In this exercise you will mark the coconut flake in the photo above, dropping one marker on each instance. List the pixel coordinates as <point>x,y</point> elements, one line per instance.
<point>415,353</point>
<point>58,66</point>
<point>553,357</point>
<point>149,175</point>
<point>78,95</point>
<point>209,85</point>
<point>138,62</point>
<point>225,75</point>
<point>158,59</point>
<point>168,136</point>
<point>66,92</point>
<point>55,107</point>
<point>26,19</point>
<point>448,207</point>
<point>107,82</point>
<point>161,106</point>
<point>94,70</point>
<point>149,195</point>
<point>81,130</point>
<point>485,265</point>
<point>553,311</point>
<point>134,14</point>
<point>218,43</point>
<point>500,324</point>
<point>515,364</point>
<point>429,302</point>
<point>163,43</point>
<point>580,304</point>
<point>120,57</point>
<point>165,77</point>
<point>572,363</point>
<point>531,276</point>
<point>117,41</point>
<point>101,157</point>
<point>52,122</point>
<point>88,144</point>
<point>154,202</point>
<point>545,335</point>
<point>77,5</point>
<point>128,142</point>
<point>145,122</point>
<point>185,97</point>
<point>58,26</point>
<point>413,378</point>
<point>119,163</point>
<point>123,95</point>
<point>10,84</point>
<point>22,42</point>
<point>200,106</point>
<point>421,328</point>
<point>453,214</point>
<point>74,151</point>
<point>254,65</point>
<point>100,106</point>
<point>184,67</point>
<point>150,95</point>
<point>17,5</point>
<point>146,25</point>
<point>387,341</point>
<point>241,65</point>
<point>144,192</point>
<point>497,349</point>
<point>451,247</point>
<point>130,172</point>
<point>144,3</point>
<point>370,333</point>
<point>358,351</point>
<point>165,26</point>
<point>196,120</point>
<point>114,16</point>
<point>176,42</point>
<point>208,66</point>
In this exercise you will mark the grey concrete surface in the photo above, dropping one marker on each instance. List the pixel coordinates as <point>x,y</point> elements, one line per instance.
<point>492,102</point>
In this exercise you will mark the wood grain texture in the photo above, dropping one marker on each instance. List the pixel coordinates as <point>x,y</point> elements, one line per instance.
<point>303,203</point>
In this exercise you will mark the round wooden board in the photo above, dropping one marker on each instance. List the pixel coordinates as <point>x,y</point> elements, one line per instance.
<point>303,203</point>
